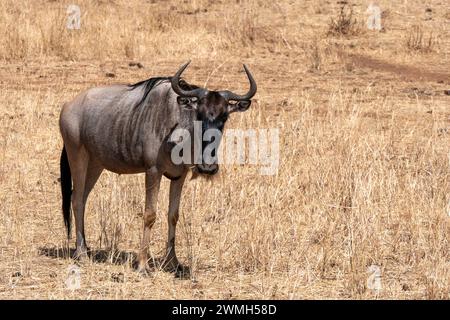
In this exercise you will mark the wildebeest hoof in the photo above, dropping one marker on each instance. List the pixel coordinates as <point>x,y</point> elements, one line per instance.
<point>170,264</point>
<point>182,272</point>
<point>81,255</point>
<point>144,270</point>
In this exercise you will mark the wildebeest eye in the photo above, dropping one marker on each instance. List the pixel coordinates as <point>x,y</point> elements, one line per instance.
<point>244,105</point>
<point>182,100</point>
<point>188,103</point>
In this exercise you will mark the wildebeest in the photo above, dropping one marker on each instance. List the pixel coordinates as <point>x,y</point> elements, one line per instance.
<point>126,129</point>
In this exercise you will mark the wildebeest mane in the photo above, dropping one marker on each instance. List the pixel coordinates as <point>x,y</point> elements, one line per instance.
<point>149,84</point>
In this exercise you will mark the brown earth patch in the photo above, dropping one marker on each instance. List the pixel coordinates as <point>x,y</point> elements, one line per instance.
<point>405,71</point>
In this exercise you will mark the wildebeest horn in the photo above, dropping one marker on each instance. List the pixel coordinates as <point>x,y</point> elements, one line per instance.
<point>233,96</point>
<point>175,81</point>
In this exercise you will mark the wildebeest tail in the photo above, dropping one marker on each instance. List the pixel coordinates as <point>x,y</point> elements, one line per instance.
<point>66,189</point>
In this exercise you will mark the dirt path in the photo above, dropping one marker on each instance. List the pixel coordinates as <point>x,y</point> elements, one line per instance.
<point>407,72</point>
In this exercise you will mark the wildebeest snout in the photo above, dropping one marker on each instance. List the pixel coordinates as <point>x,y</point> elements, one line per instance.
<point>209,169</point>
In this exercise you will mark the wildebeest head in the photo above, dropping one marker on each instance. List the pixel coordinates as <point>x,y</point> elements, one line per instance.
<point>211,109</point>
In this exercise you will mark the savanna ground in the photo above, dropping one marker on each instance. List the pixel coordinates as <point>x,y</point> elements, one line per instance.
<point>364,172</point>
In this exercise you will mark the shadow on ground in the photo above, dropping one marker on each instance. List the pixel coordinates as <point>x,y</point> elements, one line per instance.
<point>98,256</point>
<point>116,257</point>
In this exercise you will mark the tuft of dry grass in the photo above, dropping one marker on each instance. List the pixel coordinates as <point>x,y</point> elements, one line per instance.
<point>345,23</point>
<point>364,173</point>
<point>417,42</point>
<point>315,56</point>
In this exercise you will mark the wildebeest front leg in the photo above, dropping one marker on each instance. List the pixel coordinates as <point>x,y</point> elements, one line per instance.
<point>171,261</point>
<point>152,183</point>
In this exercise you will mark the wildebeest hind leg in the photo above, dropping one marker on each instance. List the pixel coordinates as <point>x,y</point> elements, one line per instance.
<point>94,171</point>
<point>78,160</point>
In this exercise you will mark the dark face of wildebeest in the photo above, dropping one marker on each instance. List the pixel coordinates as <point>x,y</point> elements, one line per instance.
<point>212,109</point>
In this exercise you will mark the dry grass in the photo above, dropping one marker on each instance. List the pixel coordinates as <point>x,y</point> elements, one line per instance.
<point>416,41</point>
<point>364,176</point>
<point>345,23</point>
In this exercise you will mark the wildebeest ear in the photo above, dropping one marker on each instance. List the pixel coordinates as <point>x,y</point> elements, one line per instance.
<point>239,106</point>
<point>188,103</point>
